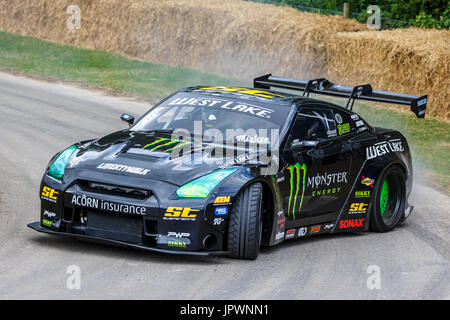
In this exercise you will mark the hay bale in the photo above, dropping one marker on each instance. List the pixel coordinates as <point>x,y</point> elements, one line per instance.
<point>414,61</point>
<point>244,39</point>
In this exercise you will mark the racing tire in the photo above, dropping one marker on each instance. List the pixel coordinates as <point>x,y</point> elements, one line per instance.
<point>390,200</point>
<point>245,224</point>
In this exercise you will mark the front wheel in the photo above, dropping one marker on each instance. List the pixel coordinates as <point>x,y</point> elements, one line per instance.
<point>390,200</point>
<point>245,225</point>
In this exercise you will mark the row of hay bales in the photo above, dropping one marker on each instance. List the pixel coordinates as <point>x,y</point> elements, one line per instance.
<point>244,39</point>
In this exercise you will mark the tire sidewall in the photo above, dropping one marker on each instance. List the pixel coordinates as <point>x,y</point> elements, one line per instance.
<point>377,222</point>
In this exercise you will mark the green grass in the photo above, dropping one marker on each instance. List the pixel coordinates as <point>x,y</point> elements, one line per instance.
<point>98,68</point>
<point>428,139</point>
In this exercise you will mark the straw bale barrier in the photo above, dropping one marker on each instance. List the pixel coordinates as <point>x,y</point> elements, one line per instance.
<point>244,39</point>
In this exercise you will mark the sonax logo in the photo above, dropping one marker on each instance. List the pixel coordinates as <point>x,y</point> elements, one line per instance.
<point>351,223</point>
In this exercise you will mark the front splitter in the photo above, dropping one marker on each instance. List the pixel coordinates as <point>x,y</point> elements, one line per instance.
<point>37,226</point>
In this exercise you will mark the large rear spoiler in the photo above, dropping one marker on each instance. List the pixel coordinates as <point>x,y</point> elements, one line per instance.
<point>417,104</point>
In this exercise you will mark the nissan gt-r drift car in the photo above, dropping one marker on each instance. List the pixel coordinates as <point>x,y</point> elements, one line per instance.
<point>226,170</point>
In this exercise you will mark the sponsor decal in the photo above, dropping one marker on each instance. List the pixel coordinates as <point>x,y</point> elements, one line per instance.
<point>49,214</point>
<point>220,211</point>
<point>180,213</point>
<point>328,226</point>
<point>367,181</point>
<point>178,244</point>
<point>290,233</point>
<point>279,236</point>
<point>383,148</point>
<point>280,179</point>
<point>99,204</point>
<point>338,118</point>
<point>324,192</point>
<point>314,229</point>
<point>295,187</point>
<point>362,129</point>
<point>354,117</point>
<point>245,158</point>
<point>178,234</point>
<point>218,221</point>
<point>123,168</point>
<point>225,104</point>
<point>252,139</point>
<point>359,123</point>
<point>253,92</point>
<point>281,222</point>
<point>46,223</point>
<point>327,179</point>
<point>302,231</point>
<point>358,208</point>
<point>331,133</point>
<point>343,128</point>
<point>363,194</point>
<point>49,194</point>
<point>222,200</point>
<point>351,223</point>
<point>421,102</point>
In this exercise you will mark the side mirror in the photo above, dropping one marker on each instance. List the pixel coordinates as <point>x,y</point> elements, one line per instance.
<point>304,143</point>
<point>310,143</point>
<point>127,118</point>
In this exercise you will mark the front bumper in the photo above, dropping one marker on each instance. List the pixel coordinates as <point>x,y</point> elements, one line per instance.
<point>37,226</point>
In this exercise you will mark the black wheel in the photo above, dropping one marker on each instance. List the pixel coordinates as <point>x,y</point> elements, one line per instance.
<point>245,225</point>
<point>390,200</point>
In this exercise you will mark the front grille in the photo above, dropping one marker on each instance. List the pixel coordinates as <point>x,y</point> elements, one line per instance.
<point>114,226</point>
<point>103,188</point>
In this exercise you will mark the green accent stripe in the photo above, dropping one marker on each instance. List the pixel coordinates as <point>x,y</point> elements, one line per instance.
<point>155,142</point>
<point>165,144</point>
<point>179,145</point>
<point>296,168</point>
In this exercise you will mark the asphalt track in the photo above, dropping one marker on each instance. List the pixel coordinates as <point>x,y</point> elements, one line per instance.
<point>37,119</point>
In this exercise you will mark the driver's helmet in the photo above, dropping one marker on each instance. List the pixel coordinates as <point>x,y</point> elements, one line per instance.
<point>209,119</point>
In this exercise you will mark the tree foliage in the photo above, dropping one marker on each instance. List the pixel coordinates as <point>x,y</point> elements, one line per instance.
<point>394,13</point>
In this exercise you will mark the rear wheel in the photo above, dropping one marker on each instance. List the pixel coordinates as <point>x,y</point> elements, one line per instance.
<point>245,225</point>
<point>390,200</point>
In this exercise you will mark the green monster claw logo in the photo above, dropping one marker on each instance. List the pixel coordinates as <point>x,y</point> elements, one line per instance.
<point>294,170</point>
<point>165,144</point>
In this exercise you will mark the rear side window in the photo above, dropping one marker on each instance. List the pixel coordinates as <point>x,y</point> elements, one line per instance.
<point>314,123</point>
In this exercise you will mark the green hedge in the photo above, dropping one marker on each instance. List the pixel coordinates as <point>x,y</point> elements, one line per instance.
<point>394,13</point>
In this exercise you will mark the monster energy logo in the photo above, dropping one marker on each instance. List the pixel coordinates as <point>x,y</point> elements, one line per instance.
<point>165,145</point>
<point>294,171</point>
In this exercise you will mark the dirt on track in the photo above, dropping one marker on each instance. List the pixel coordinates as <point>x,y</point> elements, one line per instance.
<point>244,39</point>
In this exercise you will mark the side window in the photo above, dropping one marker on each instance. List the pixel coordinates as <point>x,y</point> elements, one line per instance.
<point>313,123</point>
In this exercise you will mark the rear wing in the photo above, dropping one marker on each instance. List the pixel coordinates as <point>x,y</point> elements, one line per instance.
<point>418,104</point>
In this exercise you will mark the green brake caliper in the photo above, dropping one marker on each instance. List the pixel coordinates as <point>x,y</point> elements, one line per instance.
<point>384,197</point>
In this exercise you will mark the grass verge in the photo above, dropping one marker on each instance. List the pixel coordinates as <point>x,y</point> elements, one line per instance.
<point>429,139</point>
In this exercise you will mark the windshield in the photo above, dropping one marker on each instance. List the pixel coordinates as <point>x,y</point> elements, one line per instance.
<point>253,121</point>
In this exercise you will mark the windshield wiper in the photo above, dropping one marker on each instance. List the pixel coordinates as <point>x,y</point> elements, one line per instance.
<point>159,131</point>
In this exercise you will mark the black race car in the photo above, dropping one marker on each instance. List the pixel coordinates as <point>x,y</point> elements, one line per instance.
<point>226,170</point>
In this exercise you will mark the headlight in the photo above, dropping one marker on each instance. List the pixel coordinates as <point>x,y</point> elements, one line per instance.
<point>202,187</point>
<point>58,166</point>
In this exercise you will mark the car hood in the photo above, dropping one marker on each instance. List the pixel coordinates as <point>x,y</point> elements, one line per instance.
<point>148,155</point>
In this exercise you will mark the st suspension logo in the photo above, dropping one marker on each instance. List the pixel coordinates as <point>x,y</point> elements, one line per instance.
<point>295,186</point>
